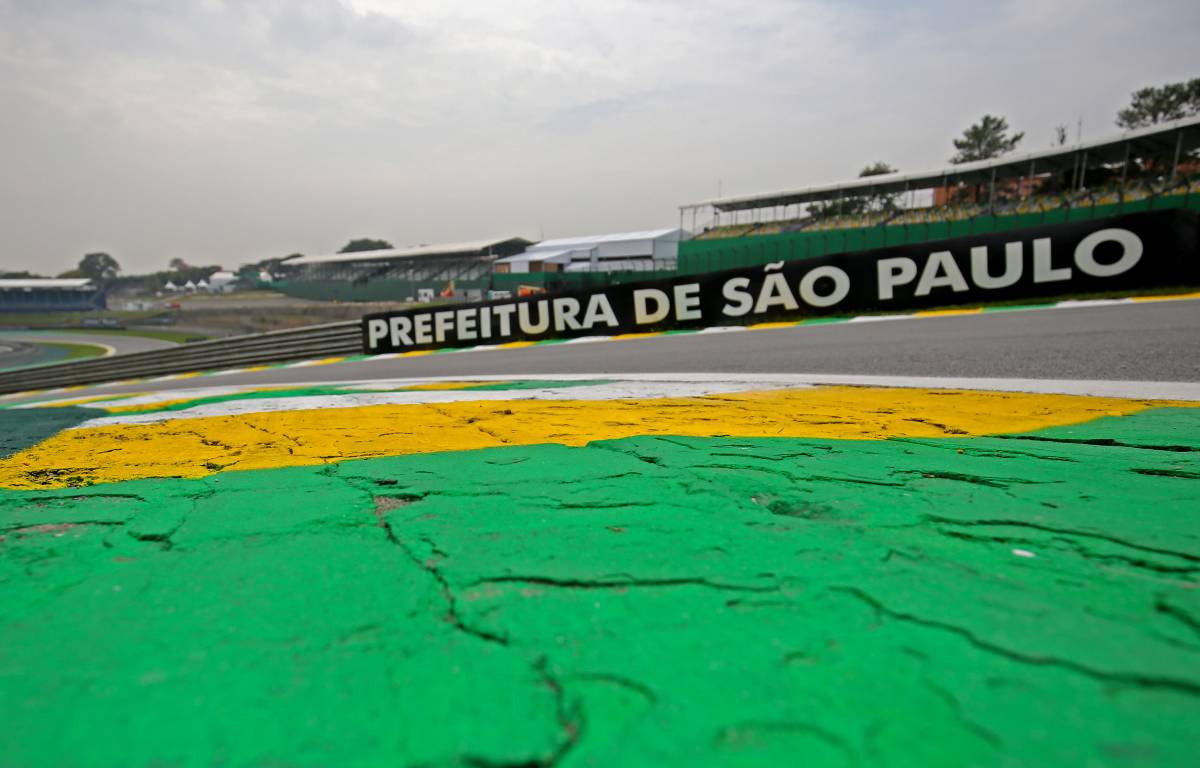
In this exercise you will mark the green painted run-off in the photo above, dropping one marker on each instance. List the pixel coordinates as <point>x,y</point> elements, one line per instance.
<point>1022,600</point>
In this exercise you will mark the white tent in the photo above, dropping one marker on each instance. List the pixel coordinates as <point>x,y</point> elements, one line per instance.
<point>171,286</point>
<point>222,282</point>
<point>189,286</point>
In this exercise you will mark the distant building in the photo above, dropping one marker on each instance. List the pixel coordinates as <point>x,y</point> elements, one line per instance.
<point>222,282</point>
<point>458,270</point>
<point>50,295</point>
<point>646,251</point>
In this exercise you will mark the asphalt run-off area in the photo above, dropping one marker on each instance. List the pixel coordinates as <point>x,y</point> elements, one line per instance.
<point>962,539</point>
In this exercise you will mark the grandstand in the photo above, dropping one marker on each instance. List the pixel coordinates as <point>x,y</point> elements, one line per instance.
<point>627,251</point>
<point>50,295</point>
<point>460,270</point>
<point>1145,169</point>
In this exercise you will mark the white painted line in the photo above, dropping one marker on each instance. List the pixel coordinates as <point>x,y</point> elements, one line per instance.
<point>1136,390</point>
<point>1075,303</point>
<point>610,390</point>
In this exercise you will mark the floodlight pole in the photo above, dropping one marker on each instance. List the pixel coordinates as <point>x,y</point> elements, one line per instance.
<point>1125,173</point>
<point>1175,164</point>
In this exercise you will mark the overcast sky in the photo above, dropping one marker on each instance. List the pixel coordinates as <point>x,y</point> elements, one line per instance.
<point>224,131</point>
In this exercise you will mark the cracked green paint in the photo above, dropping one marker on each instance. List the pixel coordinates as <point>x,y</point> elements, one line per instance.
<point>1028,599</point>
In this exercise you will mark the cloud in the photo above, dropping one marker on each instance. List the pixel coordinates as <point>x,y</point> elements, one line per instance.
<point>226,131</point>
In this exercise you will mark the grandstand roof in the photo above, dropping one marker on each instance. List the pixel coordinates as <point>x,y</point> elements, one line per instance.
<point>416,251</point>
<point>47,282</point>
<point>562,254</point>
<point>1156,138</point>
<point>570,243</point>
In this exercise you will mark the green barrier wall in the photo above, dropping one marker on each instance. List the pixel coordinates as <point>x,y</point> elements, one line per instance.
<point>696,256</point>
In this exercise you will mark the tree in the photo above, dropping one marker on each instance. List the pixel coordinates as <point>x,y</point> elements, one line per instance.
<point>365,244</point>
<point>1149,106</point>
<point>99,266</point>
<point>176,264</point>
<point>22,275</point>
<point>856,205</point>
<point>877,168</point>
<point>984,140</point>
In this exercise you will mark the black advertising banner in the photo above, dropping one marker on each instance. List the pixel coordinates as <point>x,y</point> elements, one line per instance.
<point>1142,250</point>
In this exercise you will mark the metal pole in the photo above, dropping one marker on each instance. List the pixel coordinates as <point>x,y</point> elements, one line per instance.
<point>992,193</point>
<point>1124,174</point>
<point>1175,164</point>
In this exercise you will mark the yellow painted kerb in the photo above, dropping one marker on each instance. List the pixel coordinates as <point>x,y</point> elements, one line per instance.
<point>201,446</point>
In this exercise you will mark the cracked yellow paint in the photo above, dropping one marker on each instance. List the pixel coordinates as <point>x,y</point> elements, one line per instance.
<point>197,447</point>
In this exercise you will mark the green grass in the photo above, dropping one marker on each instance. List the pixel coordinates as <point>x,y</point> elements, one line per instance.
<point>72,319</point>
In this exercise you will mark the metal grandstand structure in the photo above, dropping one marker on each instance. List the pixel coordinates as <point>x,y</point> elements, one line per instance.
<point>429,264</point>
<point>1172,146</point>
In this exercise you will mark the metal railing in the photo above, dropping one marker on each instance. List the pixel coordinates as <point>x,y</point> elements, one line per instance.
<point>329,340</point>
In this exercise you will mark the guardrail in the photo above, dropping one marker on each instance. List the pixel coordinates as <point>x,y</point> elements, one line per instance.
<point>331,339</point>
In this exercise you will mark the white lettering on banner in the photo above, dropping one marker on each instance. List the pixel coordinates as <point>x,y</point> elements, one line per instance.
<point>735,291</point>
<point>1044,270</point>
<point>775,293</point>
<point>1014,254</point>
<point>1085,252</point>
<point>784,287</point>
<point>893,272</point>
<point>376,330</point>
<point>442,322</point>
<point>485,323</point>
<point>528,326</point>
<point>687,302</point>
<point>401,327</point>
<point>940,271</point>
<point>599,310</point>
<point>808,289</point>
<point>566,312</point>
<point>504,313</point>
<point>641,314</point>
<point>421,329</point>
<point>464,324</point>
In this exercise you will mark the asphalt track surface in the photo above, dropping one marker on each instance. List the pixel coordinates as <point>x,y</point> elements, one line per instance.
<point>1152,341</point>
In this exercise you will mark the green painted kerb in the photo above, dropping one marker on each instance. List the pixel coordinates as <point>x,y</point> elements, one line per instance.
<point>1020,600</point>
